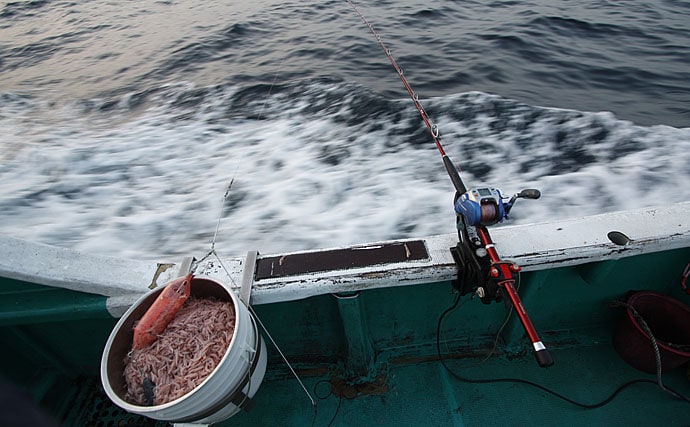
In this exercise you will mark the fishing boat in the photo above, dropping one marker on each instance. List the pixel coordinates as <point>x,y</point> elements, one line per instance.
<point>367,330</point>
<point>577,321</point>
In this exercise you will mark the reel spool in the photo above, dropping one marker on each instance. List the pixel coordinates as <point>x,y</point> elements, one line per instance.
<point>481,206</point>
<point>485,206</point>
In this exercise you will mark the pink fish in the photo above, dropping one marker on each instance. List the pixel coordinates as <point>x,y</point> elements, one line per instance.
<point>161,312</point>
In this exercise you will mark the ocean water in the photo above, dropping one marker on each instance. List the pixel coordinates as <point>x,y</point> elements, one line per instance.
<point>122,123</point>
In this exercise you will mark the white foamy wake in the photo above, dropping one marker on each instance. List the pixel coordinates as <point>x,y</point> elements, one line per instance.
<point>149,181</point>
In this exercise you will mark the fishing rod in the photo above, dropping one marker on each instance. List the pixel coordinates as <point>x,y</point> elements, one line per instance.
<point>481,269</point>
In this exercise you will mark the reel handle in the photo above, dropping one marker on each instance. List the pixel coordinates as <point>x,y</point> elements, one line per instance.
<point>529,193</point>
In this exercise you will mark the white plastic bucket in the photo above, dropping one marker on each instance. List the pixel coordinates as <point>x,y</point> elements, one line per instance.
<point>226,391</point>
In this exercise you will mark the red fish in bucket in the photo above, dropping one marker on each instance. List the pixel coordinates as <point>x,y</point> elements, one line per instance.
<point>161,312</point>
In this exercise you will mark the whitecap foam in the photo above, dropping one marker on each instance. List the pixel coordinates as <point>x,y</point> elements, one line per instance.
<point>319,164</point>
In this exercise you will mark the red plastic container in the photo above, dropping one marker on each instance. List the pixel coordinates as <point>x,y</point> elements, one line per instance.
<point>669,321</point>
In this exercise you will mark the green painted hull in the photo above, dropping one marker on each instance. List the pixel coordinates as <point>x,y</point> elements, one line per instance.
<point>379,349</point>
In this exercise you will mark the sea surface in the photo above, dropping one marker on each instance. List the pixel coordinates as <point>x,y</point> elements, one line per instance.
<point>123,123</point>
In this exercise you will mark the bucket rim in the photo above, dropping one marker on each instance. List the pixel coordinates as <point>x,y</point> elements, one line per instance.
<point>657,295</point>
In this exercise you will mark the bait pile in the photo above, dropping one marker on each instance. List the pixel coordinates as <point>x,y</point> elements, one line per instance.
<point>183,356</point>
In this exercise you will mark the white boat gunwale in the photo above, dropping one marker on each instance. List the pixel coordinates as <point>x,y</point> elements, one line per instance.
<point>534,246</point>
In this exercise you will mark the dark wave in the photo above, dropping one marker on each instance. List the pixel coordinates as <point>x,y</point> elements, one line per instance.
<point>226,45</point>
<point>629,58</point>
<point>571,27</point>
<point>19,9</point>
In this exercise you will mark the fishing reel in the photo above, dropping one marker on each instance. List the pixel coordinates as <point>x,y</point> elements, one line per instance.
<point>476,209</point>
<point>485,205</point>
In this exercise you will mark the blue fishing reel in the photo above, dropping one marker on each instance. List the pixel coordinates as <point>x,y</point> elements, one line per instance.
<point>485,206</point>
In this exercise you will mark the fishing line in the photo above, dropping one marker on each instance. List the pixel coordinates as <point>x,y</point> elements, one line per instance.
<point>215,234</point>
<point>222,207</point>
<point>232,180</point>
<point>249,306</point>
<point>451,168</point>
<point>263,327</point>
<point>270,88</point>
<point>268,334</point>
<point>604,402</point>
<point>283,356</point>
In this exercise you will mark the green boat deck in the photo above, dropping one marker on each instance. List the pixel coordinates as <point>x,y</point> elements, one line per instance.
<point>425,394</point>
<point>378,350</point>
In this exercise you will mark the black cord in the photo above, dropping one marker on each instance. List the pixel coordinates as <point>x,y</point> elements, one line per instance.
<point>330,390</point>
<point>335,414</point>
<point>522,381</point>
<point>324,397</point>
